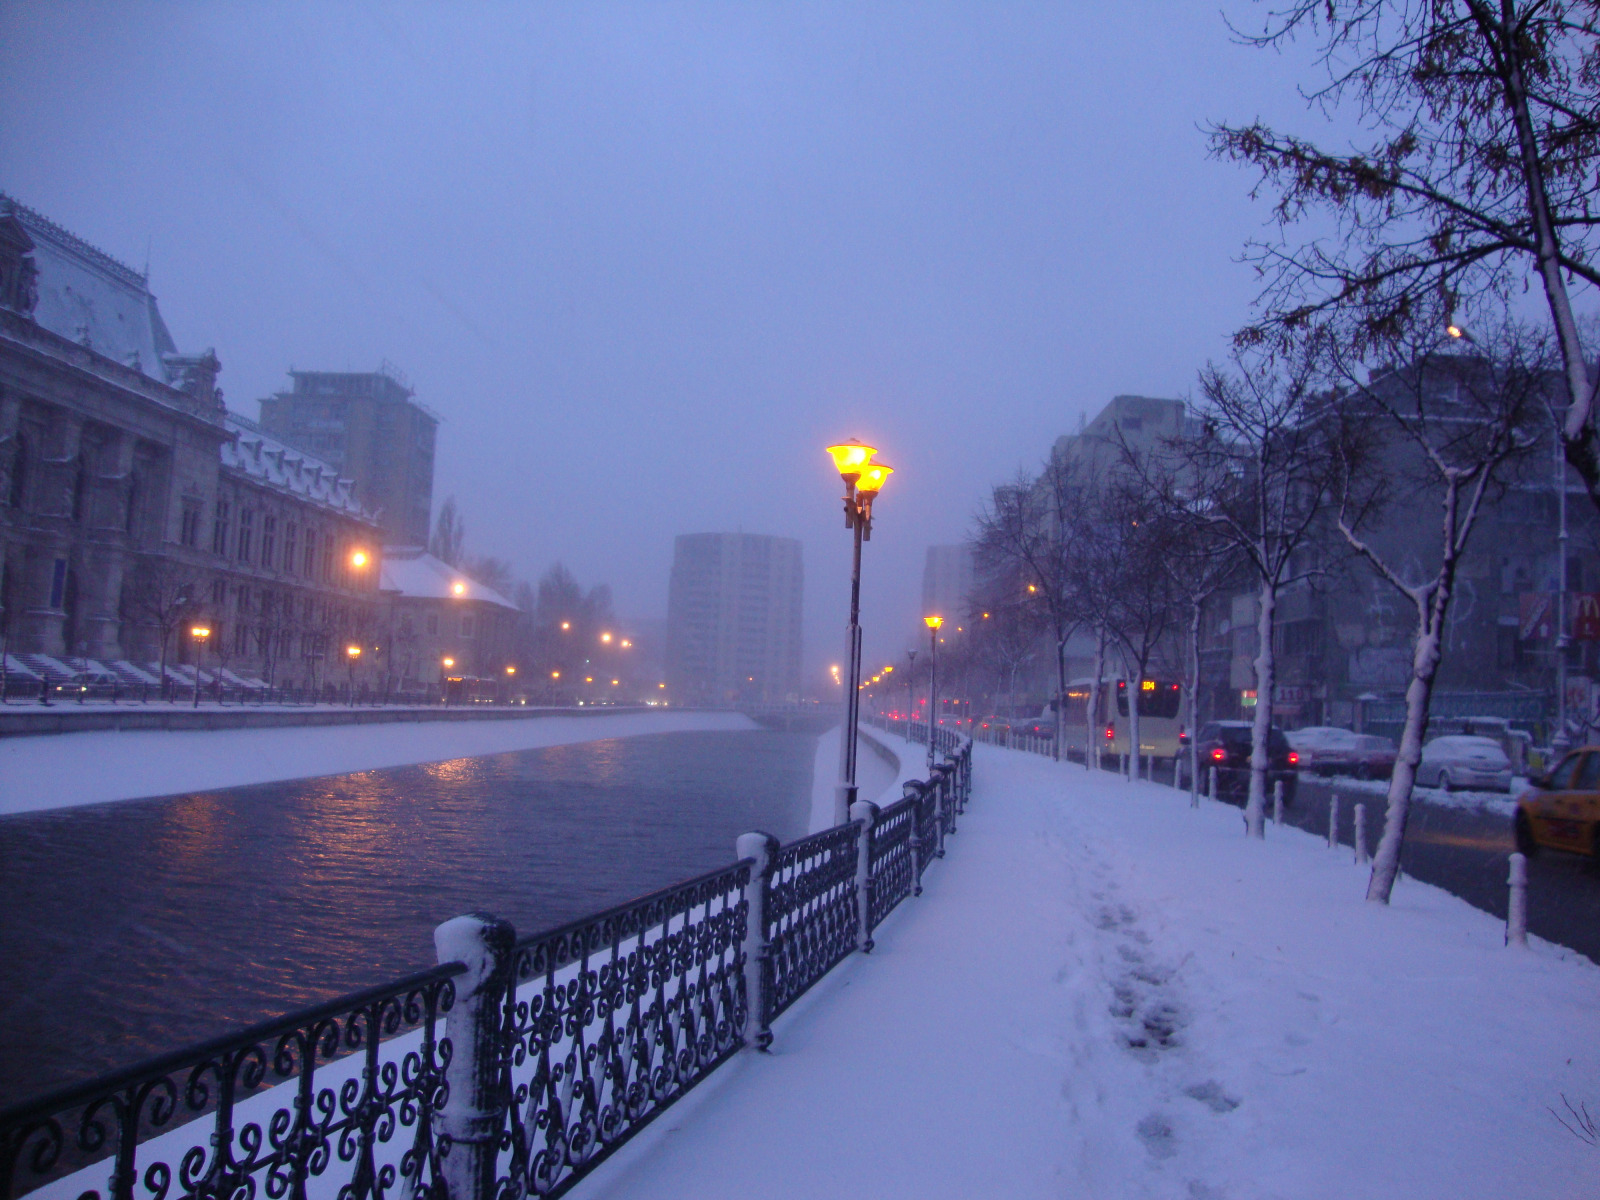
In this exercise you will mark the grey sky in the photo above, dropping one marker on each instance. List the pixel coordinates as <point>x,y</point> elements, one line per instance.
<point>647,260</point>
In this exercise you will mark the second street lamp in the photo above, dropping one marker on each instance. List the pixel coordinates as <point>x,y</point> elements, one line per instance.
<point>863,480</point>
<point>933,624</point>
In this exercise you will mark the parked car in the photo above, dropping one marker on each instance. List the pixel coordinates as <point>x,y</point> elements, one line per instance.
<point>1562,811</point>
<point>1226,746</point>
<point>1457,761</point>
<point>1330,750</point>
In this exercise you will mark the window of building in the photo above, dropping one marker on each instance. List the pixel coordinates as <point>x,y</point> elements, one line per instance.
<point>219,592</point>
<point>188,524</point>
<point>269,540</point>
<point>241,640</point>
<point>327,558</point>
<point>311,554</point>
<point>219,529</point>
<point>58,583</point>
<point>247,533</point>
<point>289,547</point>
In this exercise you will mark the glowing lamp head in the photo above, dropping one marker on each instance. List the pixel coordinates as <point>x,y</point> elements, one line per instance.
<point>555,674</point>
<point>358,559</point>
<point>449,662</point>
<point>933,622</point>
<point>511,670</point>
<point>566,625</point>
<point>1455,331</point>
<point>873,477</point>
<point>352,652</point>
<point>849,457</point>
<point>606,638</point>
<point>458,588</point>
<point>626,644</point>
<point>199,632</point>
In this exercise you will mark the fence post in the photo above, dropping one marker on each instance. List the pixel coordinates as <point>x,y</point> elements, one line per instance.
<point>473,1117</point>
<point>919,841</point>
<point>1517,910</point>
<point>1212,794</point>
<point>1333,820</point>
<point>867,813</point>
<point>1361,835</point>
<point>763,849</point>
<point>1277,802</point>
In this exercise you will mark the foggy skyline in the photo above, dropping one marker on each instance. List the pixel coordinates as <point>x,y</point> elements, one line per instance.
<point>647,262</point>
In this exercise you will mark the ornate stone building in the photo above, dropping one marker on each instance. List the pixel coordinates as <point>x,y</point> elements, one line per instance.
<point>132,502</point>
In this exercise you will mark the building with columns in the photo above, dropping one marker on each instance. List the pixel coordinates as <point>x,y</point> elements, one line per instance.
<point>132,501</point>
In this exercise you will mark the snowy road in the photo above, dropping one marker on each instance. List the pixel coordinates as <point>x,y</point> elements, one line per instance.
<point>1104,993</point>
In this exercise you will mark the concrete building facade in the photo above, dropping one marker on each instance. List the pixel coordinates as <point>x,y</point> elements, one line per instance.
<point>372,429</point>
<point>733,619</point>
<point>947,580</point>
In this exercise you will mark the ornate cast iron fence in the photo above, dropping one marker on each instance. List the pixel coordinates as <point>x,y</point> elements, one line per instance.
<point>355,1112</point>
<point>562,1046</point>
<point>621,1014</point>
<point>811,915</point>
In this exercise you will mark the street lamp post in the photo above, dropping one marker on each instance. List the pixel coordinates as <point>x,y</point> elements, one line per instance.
<point>444,679</point>
<point>863,479</point>
<point>933,624</point>
<point>352,653</point>
<point>199,633</point>
<point>911,689</point>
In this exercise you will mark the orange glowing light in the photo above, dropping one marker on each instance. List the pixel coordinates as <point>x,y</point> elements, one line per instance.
<point>199,632</point>
<point>353,652</point>
<point>449,662</point>
<point>873,477</point>
<point>933,622</point>
<point>358,559</point>
<point>849,457</point>
<point>458,588</point>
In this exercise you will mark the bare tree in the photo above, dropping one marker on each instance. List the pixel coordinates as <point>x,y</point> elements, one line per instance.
<point>1451,424</point>
<point>1474,177</point>
<point>1254,480</point>
<point>449,533</point>
<point>161,594</point>
<point>1029,532</point>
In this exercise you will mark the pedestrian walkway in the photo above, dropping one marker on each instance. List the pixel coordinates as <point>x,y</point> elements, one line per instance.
<point>1105,993</point>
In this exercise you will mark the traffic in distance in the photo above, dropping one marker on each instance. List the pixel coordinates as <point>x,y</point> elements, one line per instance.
<point>1558,809</point>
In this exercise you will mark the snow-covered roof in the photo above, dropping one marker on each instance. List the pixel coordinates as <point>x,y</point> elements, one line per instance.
<point>90,298</point>
<point>278,465</point>
<point>412,571</point>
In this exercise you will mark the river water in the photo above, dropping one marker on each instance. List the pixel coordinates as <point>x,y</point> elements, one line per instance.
<point>145,925</point>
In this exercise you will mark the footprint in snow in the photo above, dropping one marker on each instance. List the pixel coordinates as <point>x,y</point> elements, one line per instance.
<point>1210,1094</point>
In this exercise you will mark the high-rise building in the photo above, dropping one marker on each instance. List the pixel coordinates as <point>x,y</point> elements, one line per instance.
<point>947,581</point>
<point>733,619</point>
<point>372,429</point>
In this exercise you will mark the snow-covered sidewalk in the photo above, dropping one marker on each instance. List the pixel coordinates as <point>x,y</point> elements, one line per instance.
<point>1103,993</point>
<point>69,769</point>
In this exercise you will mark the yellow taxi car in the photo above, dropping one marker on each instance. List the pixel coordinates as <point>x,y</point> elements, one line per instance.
<point>1562,810</point>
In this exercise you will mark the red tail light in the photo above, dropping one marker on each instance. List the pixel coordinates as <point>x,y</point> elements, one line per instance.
<point>1110,732</point>
<point>1294,758</point>
<point>1219,754</point>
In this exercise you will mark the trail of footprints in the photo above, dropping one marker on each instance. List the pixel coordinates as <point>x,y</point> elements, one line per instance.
<point>1146,1004</point>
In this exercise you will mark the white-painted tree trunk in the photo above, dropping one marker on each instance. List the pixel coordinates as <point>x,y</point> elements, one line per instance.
<point>1192,699</point>
<point>1431,610</point>
<point>1093,733</point>
<point>1135,688</point>
<point>1260,749</point>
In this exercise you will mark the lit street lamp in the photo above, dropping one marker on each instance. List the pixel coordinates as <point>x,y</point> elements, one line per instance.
<point>863,480</point>
<point>199,633</point>
<point>911,689</point>
<point>352,653</point>
<point>933,624</point>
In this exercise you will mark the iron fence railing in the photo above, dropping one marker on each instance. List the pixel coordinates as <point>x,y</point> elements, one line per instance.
<point>560,1046</point>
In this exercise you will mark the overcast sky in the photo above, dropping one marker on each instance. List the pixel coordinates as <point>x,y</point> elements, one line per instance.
<point>647,260</point>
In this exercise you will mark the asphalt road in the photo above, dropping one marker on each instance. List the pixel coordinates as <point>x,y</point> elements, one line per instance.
<point>1465,852</point>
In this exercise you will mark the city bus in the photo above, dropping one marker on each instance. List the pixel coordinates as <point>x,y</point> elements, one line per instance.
<point>1161,717</point>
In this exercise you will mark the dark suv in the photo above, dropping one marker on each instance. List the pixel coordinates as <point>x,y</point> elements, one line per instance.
<point>1225,745</point>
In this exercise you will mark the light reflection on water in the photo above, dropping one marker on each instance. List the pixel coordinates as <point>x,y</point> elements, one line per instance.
<point>137,927</point>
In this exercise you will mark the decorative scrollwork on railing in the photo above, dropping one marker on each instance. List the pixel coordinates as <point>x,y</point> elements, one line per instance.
<point>617,1016</point>
<point>892,868</point>
<point>227,1135</point>
<point>811,916</point>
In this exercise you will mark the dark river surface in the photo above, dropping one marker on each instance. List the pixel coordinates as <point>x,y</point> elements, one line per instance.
<point>142,926</point>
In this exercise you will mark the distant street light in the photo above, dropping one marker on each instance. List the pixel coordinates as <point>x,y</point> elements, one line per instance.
<point>863,480</point>
<point>933,624</point>
<point>200,633</point>
<point>351,654</point>
<point>458,588</point>
<point>358,560</point>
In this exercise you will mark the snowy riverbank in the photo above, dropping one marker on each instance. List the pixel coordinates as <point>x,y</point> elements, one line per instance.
<point>69,769</point>
<point>1105,993</point>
